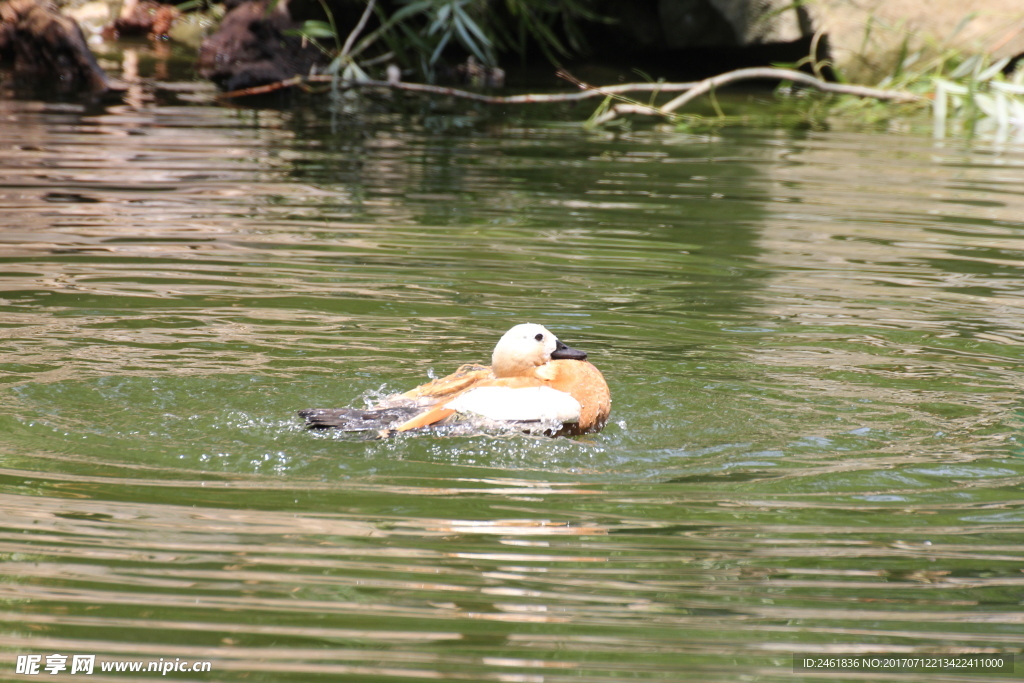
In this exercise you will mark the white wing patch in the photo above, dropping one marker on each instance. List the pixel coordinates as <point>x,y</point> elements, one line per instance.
<point>518,405</point>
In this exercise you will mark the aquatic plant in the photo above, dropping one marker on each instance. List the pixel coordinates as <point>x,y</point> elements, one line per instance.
<point>419,33</point>
<point>977,95</point>
<point>967,94</point>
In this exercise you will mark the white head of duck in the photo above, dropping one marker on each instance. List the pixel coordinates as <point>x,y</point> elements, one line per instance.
<point>534,380</point>
<point>526,347</point>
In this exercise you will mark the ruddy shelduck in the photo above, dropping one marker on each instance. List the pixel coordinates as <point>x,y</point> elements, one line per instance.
<point>533,379</point>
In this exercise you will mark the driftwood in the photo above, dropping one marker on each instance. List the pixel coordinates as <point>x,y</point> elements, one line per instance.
<point>690,90</point>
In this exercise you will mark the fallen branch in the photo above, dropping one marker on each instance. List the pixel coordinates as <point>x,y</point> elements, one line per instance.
<point>690,90</point>
<point>264,89</point>
<point>465,94</point>
<point>756,73</point>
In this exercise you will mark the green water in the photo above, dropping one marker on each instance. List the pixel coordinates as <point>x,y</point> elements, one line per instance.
<point>813,342</point>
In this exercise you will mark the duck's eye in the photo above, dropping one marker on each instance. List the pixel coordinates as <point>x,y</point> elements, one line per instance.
<point>539,337</point>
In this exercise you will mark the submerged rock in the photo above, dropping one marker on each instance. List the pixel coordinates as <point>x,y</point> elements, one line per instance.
<point>866,39</point>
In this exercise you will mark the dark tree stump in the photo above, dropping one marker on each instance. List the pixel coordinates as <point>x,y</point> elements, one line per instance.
<point>43,48</point>
<point>250,48</point>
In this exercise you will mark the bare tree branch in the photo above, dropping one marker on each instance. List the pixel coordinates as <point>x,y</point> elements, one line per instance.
<point>772,73</point>
<point>708,84</point>
<point>690,90</point>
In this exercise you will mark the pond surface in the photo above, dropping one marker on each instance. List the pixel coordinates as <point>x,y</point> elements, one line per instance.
<point>814,344</point>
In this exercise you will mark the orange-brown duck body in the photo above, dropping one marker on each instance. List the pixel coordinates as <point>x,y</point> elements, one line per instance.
<point>533,378</point>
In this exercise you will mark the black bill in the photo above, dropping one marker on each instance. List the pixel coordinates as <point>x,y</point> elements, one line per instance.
<point>563,352</point>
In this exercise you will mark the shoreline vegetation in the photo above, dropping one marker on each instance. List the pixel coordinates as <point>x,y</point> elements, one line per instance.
<point>974,93</point>
<point>405,50</point>
<point>964,91</point>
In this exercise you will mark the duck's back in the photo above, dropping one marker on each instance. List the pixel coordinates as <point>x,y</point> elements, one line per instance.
<point>466,377</point>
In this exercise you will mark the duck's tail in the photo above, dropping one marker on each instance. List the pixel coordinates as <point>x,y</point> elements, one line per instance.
<point>353,420</point>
